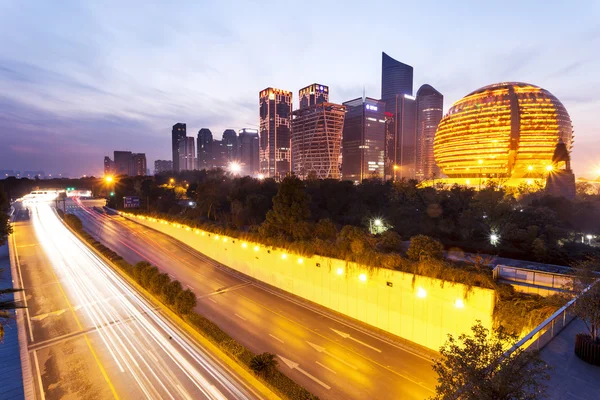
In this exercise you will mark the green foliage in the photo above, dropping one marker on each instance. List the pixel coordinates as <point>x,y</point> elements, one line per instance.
<point>74,222</point>
<point>390,241</point>
<point>424,248</point>
<point>5,228</point>
<point>263,364</point>
<point>290,212</point>
<point>325,230</point>
<point>474,367</point>
<point>171,291</point>
<point>185,302</point>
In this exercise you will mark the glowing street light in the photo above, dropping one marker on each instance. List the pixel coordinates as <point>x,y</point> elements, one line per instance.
<point>260,177</point>
<point>340,271</point>
<point>108,178</point>
<point>421,293</point>
<point>549,168</point>
<point>459,303</point>
<point>235,167</point>
<point>494,238</point>
<point>171,181</point>
<point>589,238</point>
<point>530,168</point>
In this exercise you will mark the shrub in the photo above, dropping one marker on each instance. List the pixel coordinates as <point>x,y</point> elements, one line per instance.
<point>148,273</point>
<point>158,282</point>
<point>171,291</point>
<point>424,248</point>
<point>138,268</point>
<point>263,364</point>
<point>185,302</point>
<point>390,241</point>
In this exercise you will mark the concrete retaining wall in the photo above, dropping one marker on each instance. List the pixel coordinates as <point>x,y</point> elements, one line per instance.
<point>419,309</point>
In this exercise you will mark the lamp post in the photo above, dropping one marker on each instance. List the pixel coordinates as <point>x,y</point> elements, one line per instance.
<point>395,169</point>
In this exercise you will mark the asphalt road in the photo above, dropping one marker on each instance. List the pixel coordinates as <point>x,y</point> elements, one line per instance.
<point>334,357</point>
<point>91,336</point>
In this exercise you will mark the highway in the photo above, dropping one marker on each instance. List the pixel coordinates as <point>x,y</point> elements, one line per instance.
<point>332,356</point>
<point>92,336</point>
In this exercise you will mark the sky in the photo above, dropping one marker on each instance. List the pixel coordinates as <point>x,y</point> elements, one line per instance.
<point>82,78</point>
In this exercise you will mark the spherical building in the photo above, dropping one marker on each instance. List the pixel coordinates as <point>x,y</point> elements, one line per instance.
<point>507,131</point>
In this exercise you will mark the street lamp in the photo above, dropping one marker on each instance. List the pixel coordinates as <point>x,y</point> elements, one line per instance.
<point>396,167</point>
<point>589,238</point>
<point>171,181</point>
<point>494,238</point>
<point>235,167</point>
<point>260,177</point>
<point>108,178</point>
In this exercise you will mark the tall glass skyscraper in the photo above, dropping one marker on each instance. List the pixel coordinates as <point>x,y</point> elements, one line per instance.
<point>363,139</point>
<point>313,94</point>
<point>230,140</point>
<point>204,147</point>
<point>430,105</point>
<point>178,135</point>
<point>249,151</point>
<point>275,110</point>
<point>396,92</point>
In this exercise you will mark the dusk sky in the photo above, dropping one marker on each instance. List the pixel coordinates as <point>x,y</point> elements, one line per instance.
<point>79,79</point>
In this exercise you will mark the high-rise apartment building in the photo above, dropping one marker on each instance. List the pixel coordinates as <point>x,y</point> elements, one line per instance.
<point>123,162</point>
<point>204,143</point>
<point>430,105</point>
<point>108,166</point>
<point>178,135</point>
<point>139,164</point>
<point>363,139</point>
<point>230,141</point>
<point>249,151</point>
<point>316,140</point>
<point>188,161</point>
<point>396,92</point>
<point>313,94</point>
<point>161,166</point>
<point>275,111</point>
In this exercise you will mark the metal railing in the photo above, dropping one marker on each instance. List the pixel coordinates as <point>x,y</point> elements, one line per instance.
<point>533,277</point>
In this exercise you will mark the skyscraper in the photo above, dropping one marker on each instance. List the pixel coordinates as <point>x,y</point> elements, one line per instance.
<point>275,128</point>
<point>316,140</point>
<point>178,135</point>
<point>430,105</point>
<point>313,94</point>
<point>396,92</point>
<point>123,162</point>
<point>204,144</point>
<point>363,139</point>
<point>230,141</point>
<point>189,155</point>
<point>249,151</point>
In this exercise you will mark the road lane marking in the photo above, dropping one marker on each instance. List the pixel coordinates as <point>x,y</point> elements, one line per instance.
<point>39,375</point>
<point>27,245</point>
<point>240,317</point>
<point>39,317</point>
<point>348,336</point>
<point>213,300</point>
<point>189,287</point>
<point>276,338</point>
<point>294,365</point>
<point>325,351</point>
<point>328,369</point>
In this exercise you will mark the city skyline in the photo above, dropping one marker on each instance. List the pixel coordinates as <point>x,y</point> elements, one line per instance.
<point>77,98</point>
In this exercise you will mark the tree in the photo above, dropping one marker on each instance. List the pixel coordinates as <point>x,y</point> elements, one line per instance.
<point>185,302</point>
<point>538,248</point>
<point>290,210</point>
<point>6,306</point>
<point>424,248</point>
<point>476,367</point>
<point>5,228</point>
<point>587,306</point>
<point>263,364</point>
<point>325,229</point>
<point>171,291</point>
<point>390,241</point>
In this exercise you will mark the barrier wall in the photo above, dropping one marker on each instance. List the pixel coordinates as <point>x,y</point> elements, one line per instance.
<point>423,311</point>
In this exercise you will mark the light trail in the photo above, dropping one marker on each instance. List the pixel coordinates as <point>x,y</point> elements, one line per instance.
<point>150,355</point>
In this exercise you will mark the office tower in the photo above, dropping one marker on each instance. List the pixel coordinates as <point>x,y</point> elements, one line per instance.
<point>249,151</point>
<point>275,128</point>
<point>108,166</point>
<point>363,139</point>
<point>430,105</point>
<point>219,154</point>
<point>230,141</point>
<point>204,143</point>
<point>316,140</point>
<point>123,162</point>
<point>139,164</point>
<point>161,166</point>
<point>313,94</point>
<point>396,91</point>
<point>178,135</point>
<point>396,78</point>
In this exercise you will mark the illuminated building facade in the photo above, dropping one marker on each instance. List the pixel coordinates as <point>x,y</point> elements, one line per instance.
<point>313,94</point>
<point>163,166</point>
<point>430,105</point>
<point>178,134</point>
<point>230,141</point>
<point>249,151</point>
<point>275,110</point>
<point>316,140</point>
<point>363,139</point>
<point>506,130</point>
<point>109,166</point>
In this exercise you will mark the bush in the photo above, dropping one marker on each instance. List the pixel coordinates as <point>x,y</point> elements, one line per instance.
<point>138,268</point>
<point>185,302</point>
<point>424,248</point>
<point>158,282</point>
<point>263,364</point>
<point>170,292</point>
<point>148,273</point>
<point>390,241</point>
